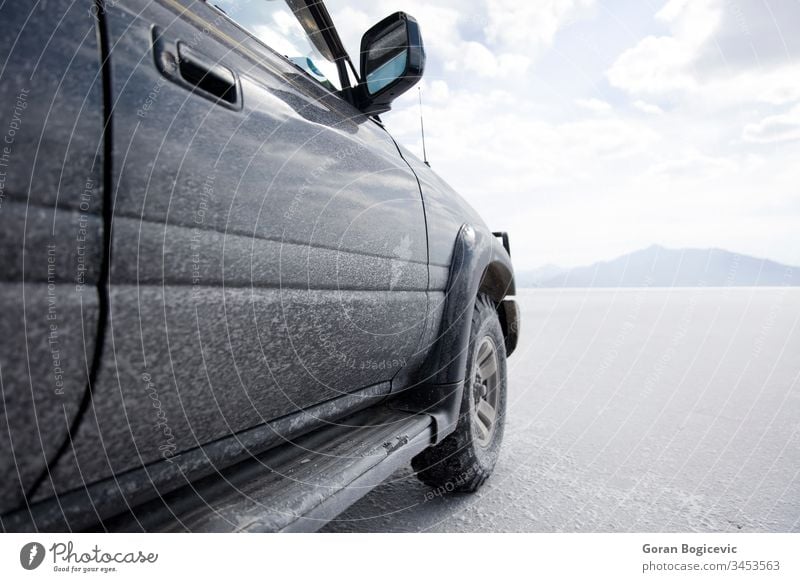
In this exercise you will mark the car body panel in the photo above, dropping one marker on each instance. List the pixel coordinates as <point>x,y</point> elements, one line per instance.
<point>445,211</point>
<point>51,231</point>
<point>264,259</point>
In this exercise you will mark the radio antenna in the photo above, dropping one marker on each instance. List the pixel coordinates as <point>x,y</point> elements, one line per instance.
<point>422,129</point>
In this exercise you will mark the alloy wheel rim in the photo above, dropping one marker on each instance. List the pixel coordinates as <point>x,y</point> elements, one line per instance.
<point>485,381</point>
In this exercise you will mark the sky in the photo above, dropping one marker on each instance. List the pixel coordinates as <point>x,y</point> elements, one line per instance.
<point>588,129</point>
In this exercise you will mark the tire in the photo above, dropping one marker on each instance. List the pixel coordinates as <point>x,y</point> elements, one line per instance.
<point>465,459</point>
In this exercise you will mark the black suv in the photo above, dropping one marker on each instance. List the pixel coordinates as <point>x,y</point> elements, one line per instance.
<point>230,300</point>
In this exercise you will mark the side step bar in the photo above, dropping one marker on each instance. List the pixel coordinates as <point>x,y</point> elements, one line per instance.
<point>298,486</point>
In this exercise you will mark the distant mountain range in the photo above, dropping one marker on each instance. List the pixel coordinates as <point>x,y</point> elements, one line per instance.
<point>657,266</point>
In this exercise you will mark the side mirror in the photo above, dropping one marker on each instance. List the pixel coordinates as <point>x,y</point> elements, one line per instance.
<point>392,61</point>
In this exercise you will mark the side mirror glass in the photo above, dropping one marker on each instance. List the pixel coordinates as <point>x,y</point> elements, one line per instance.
<point>392,61</point>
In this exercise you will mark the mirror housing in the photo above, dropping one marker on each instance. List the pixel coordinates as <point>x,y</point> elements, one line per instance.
<point>392,61</point>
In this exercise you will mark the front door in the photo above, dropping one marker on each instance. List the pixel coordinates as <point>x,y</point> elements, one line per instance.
<point>269,246</point>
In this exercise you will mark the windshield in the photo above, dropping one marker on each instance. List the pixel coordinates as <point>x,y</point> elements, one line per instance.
<point>287,28</point>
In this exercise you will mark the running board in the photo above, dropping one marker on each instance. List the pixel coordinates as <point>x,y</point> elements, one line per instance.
<point>298,486</point>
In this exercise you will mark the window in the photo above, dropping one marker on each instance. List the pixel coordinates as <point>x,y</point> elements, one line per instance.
<point>287,28</point>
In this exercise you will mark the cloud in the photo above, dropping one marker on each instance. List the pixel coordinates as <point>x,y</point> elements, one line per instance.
<point>775,128</point>
<point>660,64</point>
<point>691,61</point>
<point>692,164</point>
<point>587,133</point>
<point>752,35</point>
<point>649,108</point>
<point>437,91</point>
<point>528,27</point>
<point>475,57</point>
<point>593,104</point>
<point>487,38</point>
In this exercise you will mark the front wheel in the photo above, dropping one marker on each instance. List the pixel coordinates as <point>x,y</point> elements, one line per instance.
<point>466,458</point>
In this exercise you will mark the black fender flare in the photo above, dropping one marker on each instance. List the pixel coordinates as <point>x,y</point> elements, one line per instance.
<point>480,264</point>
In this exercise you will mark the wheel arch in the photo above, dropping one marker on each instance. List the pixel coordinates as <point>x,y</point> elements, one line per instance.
<point>497,282</point>
<point>480,264</point>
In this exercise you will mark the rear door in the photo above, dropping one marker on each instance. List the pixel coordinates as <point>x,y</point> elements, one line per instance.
<point>51,225</point>
<point>269,246</point>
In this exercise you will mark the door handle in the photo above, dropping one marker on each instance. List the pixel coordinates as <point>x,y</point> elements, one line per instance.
<point>197,72</point>
<point>208,76</point>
